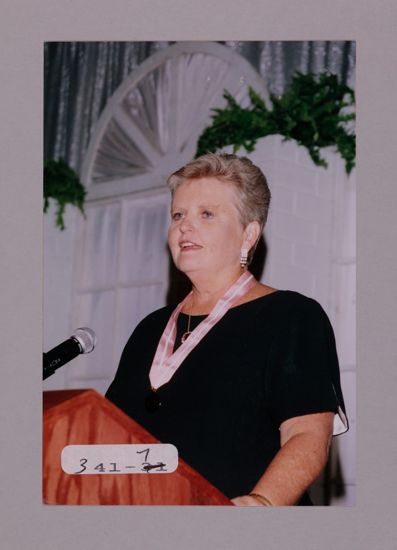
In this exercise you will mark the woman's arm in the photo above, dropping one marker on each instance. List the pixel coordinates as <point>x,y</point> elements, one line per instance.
<point>305,442</point>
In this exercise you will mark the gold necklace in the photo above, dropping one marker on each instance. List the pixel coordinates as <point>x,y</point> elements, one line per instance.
<point>188,332</point>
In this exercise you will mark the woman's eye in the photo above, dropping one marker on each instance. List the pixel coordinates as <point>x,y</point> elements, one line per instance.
<point>207,214</point>
<point>176,216</point>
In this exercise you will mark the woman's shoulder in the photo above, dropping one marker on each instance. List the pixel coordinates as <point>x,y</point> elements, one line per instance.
<point>280,297</point>
<point>150,327</point>
<point>287,305</point>
<point>292,310</point>
<point>294,299</point>
<point>287,298</point>
<point>156,317</point>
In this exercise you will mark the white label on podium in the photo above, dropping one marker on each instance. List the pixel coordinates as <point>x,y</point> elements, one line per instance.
<point>153,458</point>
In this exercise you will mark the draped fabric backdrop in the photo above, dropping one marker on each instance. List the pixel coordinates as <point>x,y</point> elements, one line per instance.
<point>80,77</point>
<point>110,269</point>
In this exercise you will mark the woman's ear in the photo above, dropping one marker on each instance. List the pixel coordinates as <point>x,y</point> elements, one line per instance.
<point>251,235</point>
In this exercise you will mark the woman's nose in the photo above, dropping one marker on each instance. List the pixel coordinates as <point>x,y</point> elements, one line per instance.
<point>185,225</point>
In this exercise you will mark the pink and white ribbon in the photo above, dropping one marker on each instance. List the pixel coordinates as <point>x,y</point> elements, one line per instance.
<point>165,362</point>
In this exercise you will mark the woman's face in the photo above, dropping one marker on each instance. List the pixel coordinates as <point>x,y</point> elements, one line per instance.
<point>206,234</point>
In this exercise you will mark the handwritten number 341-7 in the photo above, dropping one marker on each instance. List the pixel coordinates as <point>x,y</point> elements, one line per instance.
<point>145,465</point>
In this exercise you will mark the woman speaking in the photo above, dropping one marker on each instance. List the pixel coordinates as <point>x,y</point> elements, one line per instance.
<point>242,378</point>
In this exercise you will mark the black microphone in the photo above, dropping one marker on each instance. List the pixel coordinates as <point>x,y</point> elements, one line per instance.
<point>83,340</point>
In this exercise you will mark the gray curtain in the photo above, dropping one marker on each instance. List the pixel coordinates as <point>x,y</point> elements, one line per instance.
<point>80,77</point>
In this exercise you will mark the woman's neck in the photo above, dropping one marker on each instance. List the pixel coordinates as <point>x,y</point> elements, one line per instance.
<point>207,291</point>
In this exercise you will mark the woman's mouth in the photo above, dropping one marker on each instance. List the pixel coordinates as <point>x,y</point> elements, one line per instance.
<point>188,245</point>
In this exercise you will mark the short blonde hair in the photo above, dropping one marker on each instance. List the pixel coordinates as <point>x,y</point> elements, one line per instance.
<point>249,181</point>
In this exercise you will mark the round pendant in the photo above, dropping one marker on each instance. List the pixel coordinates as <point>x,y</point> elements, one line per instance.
<point>185,335</point>
<point>152,401</point>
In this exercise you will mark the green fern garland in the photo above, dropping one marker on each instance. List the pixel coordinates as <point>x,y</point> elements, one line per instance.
<point>62,184</point>
<point>314,111</point>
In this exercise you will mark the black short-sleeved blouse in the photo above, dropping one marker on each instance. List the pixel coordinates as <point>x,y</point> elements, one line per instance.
<point>265,361</point>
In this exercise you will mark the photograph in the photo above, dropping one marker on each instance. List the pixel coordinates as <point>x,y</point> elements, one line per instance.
<point>199,273</point>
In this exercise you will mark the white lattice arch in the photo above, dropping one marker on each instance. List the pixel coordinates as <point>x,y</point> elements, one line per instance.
<point>152,122</point>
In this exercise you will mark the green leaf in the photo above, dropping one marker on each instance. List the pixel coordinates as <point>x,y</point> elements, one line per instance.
<point>310,112</point>
<point>62,184</point>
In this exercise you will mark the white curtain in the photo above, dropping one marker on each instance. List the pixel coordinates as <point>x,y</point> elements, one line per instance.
<point>121,275</point>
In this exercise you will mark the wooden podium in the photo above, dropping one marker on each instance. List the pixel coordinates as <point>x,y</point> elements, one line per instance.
<point>84,417</point>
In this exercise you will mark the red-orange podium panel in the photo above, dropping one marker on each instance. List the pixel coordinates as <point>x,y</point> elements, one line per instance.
<point>83,417</point>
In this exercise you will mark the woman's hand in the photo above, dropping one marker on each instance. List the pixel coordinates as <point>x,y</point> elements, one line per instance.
<point>246,500</point>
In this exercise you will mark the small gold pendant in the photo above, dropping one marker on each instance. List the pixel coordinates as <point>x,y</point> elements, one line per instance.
<point>185,335</point>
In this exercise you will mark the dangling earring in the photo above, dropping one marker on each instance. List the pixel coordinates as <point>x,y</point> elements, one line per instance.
<point>243,257</point>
